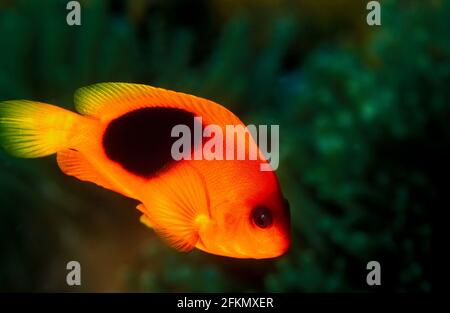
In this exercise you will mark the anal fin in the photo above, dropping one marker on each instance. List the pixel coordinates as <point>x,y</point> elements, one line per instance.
<point>144,218</point>
<point>73,163</point>
<point>146,221</point>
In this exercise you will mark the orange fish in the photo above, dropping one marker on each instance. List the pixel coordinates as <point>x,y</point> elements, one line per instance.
<point>121,140</point>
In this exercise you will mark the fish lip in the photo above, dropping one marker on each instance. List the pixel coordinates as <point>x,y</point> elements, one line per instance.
<point>272,255</point>
<point>286,248</point>
<point>283,249</point>
<point>267,256</point>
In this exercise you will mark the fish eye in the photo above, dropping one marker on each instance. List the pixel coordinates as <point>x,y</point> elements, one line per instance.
<point>262,217</point>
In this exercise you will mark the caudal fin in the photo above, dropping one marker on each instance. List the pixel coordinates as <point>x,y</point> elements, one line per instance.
<point>31,129</point>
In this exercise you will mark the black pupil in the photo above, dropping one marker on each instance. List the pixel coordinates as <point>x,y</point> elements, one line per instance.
<point>262,217</point>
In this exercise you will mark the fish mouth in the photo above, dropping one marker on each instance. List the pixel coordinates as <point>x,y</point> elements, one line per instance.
<point>272,255</point>
<point>238,253</point>
<point>283,247</point>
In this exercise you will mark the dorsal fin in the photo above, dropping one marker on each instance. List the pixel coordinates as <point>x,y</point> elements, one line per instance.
<point>107,101</point>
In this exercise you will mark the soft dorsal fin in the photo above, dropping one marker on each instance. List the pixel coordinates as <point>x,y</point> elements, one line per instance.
<point>107,101</point>
<point>179,207</point>
<point>73,163</point>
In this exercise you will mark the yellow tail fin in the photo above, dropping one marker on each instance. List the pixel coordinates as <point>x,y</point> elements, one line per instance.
<point>31,129</point>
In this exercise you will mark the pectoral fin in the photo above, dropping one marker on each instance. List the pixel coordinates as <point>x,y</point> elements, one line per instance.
<point>174,208</point>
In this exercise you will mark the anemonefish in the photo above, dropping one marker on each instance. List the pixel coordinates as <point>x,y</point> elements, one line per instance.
<point>121,140</point>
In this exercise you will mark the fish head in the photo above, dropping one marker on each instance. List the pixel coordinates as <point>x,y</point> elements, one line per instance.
<point>254,225</point>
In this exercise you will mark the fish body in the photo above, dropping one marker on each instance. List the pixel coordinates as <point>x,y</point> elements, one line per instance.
<point>121,140</point>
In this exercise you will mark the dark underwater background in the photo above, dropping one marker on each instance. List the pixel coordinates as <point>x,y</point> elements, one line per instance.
<point>364,126</point>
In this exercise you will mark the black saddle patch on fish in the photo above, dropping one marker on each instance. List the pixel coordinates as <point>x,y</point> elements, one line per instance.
<point>140,141</point>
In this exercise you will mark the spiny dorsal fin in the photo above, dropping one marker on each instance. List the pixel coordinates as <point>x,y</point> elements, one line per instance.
<point>107,101</point>
<point>178,208</point>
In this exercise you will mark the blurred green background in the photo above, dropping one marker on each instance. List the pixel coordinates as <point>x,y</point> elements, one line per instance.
<point>364,122</point>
